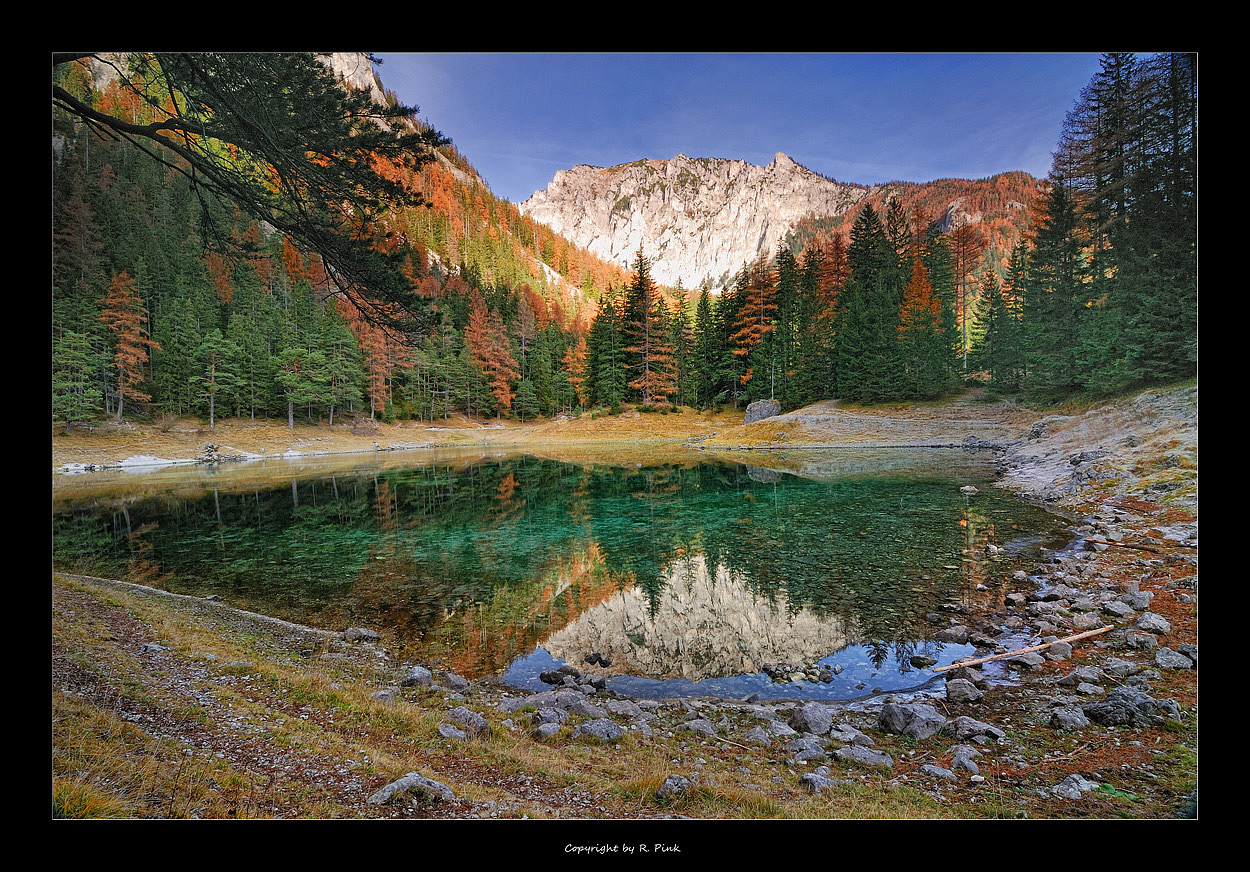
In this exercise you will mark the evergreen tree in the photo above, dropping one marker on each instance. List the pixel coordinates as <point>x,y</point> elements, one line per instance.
<point>278,135</point>
<point>1054,299</point>
<point>866,328</point>
<point>344,373</point>
<point>76,393</point>
<point>217,362</point>
<point>703,357</point>
<point>606,356</point>
<point>997,346</point>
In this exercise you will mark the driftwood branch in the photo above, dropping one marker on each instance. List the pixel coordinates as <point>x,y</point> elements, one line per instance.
<point>1123,545</point>
<point>1043,647</point>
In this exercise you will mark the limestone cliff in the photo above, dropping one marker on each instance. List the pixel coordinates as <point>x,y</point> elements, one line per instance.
<point>695,219</point>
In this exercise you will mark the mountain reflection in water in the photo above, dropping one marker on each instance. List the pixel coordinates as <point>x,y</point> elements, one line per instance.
<point>694,571</point>
<point>704,625</point>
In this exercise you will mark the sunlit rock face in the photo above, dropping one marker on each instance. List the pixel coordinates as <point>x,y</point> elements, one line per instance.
<point>695,219</point>
<point>708,625</point>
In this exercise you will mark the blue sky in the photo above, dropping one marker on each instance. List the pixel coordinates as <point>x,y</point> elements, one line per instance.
<point>864,118</point>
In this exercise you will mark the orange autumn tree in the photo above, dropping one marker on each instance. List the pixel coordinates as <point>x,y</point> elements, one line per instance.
<point>127,319</point>
<point>488,341</point>
<point>575,366</point>
<point>757,319</point>
<point>923,345</point>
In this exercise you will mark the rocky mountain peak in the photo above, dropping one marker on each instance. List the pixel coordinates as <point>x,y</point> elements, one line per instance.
<point>698,220</point>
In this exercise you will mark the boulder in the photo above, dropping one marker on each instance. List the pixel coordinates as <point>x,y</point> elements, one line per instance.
<point>916,721</point>
<point>425,788</point>
<point>761,409</point>
<point>602,729</point>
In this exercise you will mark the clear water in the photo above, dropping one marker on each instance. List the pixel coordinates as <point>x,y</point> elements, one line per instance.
<point>690,577</point>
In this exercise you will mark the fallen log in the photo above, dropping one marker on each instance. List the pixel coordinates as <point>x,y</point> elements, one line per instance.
<point>980,660</point>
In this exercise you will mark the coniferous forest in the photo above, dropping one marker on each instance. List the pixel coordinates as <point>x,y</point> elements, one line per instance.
<point>217,252</point>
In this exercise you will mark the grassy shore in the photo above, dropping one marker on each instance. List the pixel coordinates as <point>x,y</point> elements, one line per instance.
<point>176,707</point>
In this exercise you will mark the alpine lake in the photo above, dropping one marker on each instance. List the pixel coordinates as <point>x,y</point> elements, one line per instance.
<point>689,574</point>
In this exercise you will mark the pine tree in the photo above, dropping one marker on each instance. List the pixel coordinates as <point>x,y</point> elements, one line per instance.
<point>866,329</point>
<point>1054,301</point>
<point>344,363</point>
<point>217,361</point>
<point>997,343</point>
<point>606,356</point>
<point>704,352</point>
<point>76,393</point>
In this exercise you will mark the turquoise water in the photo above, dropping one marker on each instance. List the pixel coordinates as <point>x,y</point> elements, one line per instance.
<point>690,577</point>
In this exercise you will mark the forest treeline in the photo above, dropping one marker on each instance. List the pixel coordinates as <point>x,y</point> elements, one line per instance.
<point>168,303</point>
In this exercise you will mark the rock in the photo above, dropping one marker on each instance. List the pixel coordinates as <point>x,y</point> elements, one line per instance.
<point>815,783</point>
<point>757,736</point>
<point>761,409</point>
<point>585,708</point>
<point>1166,658</point>
<point>1028,660</point>
<point>673,787</point>
<point>456,682</point>
<point>1060,650</point>
<point>962,690</point>
<point>864,756</point>
<point>917,721</point>
<point>964,759</point>
<point>1074,787</point>
<point>602,729</point>
<point>938,772</point>
<point>470,719</point>
<point>704,217</point>
<point>549,716</point>
<point>964,727</point>
<point>448,731</point>
<point>360,634</point>
<point>702,726</point>
<point>623,707</point>
<point>425,788</point>
<point>806,748</point>
<point>1127,706</point>
<point>1117,609</point>
<point>545,731</point>
<point>957,635</point>
<point>811,718</point>
<point>386,696</point>
<point>848,735</point>
<point>1068,718</point>
<point>1120,669</point>
<point>1154,623</point>
<point>418,676</point>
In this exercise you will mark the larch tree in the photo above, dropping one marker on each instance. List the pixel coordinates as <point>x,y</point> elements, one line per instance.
<point>487,338</point>
<point>757,318</point>
<point>126,318</point>
<point>646,328</point>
